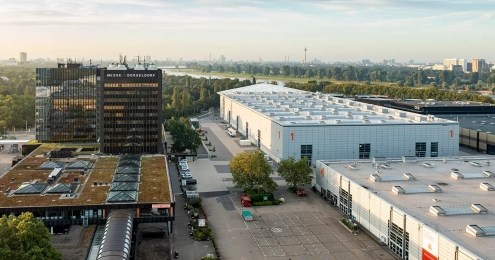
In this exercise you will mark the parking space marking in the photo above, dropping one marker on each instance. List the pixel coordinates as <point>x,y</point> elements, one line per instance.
<point>302,233</point>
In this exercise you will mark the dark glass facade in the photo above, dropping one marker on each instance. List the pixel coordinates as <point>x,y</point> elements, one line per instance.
<point>129,115</point>
<point>66,104</point>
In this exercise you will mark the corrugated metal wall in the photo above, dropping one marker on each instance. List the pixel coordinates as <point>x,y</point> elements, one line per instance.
<point>374,214</point>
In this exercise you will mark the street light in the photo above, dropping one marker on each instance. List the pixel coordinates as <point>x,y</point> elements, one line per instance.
<point>4,130</point>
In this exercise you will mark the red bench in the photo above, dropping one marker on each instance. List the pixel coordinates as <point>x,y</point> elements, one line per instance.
<point>300,192</point>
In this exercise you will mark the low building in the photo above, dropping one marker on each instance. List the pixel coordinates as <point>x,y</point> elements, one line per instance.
<point>69,185</point>
<point>419,208</point>
<point>439,107</point>
<point>286,122</point>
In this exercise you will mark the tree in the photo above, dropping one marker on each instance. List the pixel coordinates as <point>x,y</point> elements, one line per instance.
<point>183,135</point>
<point>295,173</point>
<point>24,237</point>
<point>252,171</point>
<point>474,77</point>
<point>266,71</point>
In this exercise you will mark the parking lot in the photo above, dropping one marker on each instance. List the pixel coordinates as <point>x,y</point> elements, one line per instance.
<point>301,228</point>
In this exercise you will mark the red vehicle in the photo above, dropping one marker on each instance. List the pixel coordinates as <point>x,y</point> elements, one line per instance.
<point>300,192</point>
<point>245,200</point>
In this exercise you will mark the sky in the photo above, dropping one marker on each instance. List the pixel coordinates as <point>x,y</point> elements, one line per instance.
<point>331,30</point>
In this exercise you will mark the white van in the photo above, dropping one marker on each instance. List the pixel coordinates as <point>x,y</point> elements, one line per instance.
<point>232,132</point>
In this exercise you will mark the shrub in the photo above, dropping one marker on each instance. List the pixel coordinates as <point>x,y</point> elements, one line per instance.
<point>263,203</point>
<point>214,150</point>
<point>257,197</point>
<point>292,190</point>
<point>195,203</point>
<point>349,224</point>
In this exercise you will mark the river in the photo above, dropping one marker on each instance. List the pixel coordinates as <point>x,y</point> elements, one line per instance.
<point>172,71</point>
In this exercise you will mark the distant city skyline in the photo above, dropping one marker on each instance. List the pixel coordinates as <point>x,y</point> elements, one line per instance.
<point>333,30</point>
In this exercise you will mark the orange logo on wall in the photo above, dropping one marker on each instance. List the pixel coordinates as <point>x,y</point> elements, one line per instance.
<point>322,172</point>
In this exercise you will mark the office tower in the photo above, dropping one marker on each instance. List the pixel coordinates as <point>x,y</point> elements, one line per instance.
<point>23,57</point>
<point>478,65</point>
<point>148,59</point>
<point>366,62</point>
<point>130,114</point>
<point>392,61</point>
<point>66,103</point>
<point>410,61</point>
<point>222,59</point>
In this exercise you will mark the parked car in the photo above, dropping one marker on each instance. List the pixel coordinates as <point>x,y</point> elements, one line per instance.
<point>184,167</point>
<point>191,182</point>
<point>186,175</point>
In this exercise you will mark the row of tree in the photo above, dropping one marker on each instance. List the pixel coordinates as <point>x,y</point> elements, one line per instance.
<point>350,90</point>
<point>185,95</point>
<point>252,173</point>
<point>402,76</point>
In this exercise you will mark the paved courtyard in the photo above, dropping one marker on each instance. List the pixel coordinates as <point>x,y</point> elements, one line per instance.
<point>301,228</point>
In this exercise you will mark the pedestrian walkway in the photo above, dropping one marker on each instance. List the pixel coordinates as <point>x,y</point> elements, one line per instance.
<point>180,239</point>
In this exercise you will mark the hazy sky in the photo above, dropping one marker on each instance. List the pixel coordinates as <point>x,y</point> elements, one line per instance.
<point>333,30</point>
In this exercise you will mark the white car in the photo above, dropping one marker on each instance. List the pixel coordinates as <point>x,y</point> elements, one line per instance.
<point>184,167</point>
<point>186,175</point>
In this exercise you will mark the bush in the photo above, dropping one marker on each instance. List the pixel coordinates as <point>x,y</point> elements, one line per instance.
<point>263,203</point>
<point>349,224</point>
<point>195,203</point>
<point>258,197</point>
<point>292,190</point>
<point>202,232</point>
<point>210,257</point>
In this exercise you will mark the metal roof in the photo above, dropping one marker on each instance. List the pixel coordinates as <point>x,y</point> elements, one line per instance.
<point>117,239</point>
<point>288,106</point>
<point>483,123</point>
<point>461,200</point>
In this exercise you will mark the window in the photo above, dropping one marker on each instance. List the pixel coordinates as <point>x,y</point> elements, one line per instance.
<point>420,149</point>
<point>307,151</point>
<point>364,151</point>
<point>345,202</point>
<point>434,149</point>
<point>396,235</point>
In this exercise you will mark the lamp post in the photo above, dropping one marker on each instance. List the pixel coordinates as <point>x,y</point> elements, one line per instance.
<point>4,130</point>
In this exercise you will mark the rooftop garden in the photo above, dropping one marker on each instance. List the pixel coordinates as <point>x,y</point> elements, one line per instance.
<point>154,177</point>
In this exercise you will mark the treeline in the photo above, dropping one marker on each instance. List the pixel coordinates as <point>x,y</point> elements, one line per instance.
<point>185,95</point>
<point>350,90</point>
<point>401,76</point>
<point>17,98</point>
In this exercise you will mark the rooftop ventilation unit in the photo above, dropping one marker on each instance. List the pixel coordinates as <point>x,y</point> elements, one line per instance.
<point>409,159</point>
<point>321,122</point>
<point>386,166</point>
<point>420,118</point>
<point>372,113</point>
<point>272,114</point>
<point>310,113</point>
<point>380,159</point>
<point>358,109</point>
<point>456,175</point>
<point>434,188</point>
<point>428,165</point>
<point>390,117</point>
<point>375,178</point>
<point>340,101</point>
<point>476,164</point>
<point>369,107</point>
<point>478,231</point>
<point>486,186</point>
<point>383,110</point>
<point>382,122</point>
<point>281,118</point>
<point>478,208</point>
<point>409,177</point>
<point>365,117</point>
<point>366,122</point>
<point>398,190</point>
<point>488,174</point>
<point>292,123</point>
<point>400,114</point>
<point>323,117</point>
<point>338,122</point>
<point>286,109</point>
<point>308,118</point>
